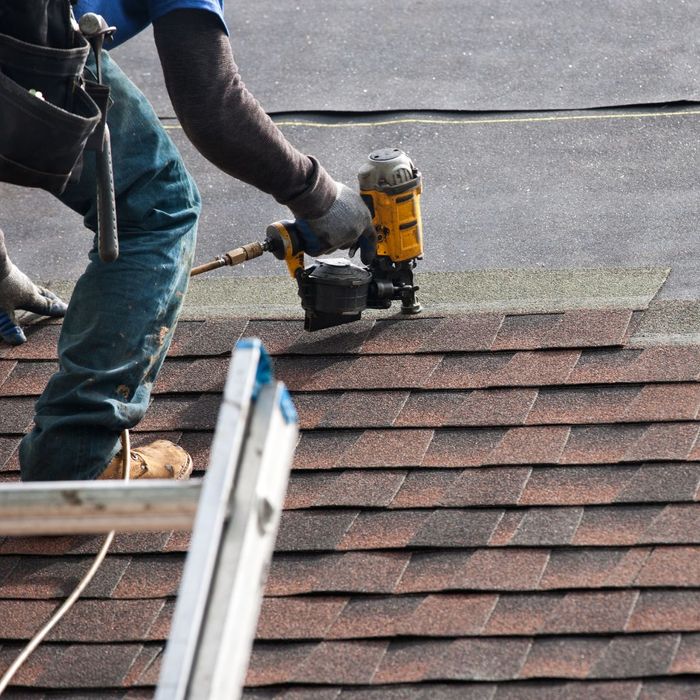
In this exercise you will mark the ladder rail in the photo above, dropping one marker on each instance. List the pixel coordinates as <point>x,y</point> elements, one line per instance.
<point>229,625</point>
<point>231,428</point>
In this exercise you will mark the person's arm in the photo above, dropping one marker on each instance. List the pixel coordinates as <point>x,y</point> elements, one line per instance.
<point>225,122</point>
<point>229,127</point>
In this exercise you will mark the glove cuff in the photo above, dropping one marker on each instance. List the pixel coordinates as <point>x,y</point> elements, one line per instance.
<point>317,198</point>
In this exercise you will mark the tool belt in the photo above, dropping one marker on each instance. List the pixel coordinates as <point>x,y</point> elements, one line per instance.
<point>46,112</point>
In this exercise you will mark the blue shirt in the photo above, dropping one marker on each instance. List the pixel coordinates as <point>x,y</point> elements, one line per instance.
<point>132,16</point>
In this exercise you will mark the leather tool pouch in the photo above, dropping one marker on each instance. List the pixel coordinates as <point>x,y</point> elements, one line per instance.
<point>42,140</point>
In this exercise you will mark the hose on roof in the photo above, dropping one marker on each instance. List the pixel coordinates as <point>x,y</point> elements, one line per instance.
<point>39,637</point>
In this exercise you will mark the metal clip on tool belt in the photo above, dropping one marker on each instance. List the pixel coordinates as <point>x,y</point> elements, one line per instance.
<point>48,114</point>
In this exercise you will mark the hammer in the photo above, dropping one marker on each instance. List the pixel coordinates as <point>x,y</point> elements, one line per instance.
<point>95,29</point>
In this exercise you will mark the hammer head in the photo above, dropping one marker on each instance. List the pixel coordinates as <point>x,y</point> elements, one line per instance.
<point>93,25</point>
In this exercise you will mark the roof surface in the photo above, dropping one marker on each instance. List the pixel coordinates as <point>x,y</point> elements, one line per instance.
<point>482,506</point>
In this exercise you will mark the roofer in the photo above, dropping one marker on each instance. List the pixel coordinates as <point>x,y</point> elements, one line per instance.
<point>122,314</point>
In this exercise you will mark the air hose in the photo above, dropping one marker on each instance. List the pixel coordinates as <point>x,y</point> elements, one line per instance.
<point>39,637</point>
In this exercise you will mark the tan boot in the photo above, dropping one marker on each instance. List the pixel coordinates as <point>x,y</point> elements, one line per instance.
<point>161,459</point>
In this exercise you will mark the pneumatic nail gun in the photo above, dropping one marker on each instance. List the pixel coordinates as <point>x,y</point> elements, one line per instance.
<point>335,291</point>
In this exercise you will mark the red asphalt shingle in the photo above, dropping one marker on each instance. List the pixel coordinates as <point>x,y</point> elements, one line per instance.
<point>485,506</point>
<point>480,614</point>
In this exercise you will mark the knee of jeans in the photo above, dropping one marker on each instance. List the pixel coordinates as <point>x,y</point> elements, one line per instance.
<point>196,197</point>
<point>189,191</point>
<point>165,218</point>
<point>188,213</point>
<point>183,203</point>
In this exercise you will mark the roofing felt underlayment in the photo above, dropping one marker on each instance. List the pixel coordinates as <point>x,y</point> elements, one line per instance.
<point>586,189</point>
<point>482,506</point>
<point>481,55</point>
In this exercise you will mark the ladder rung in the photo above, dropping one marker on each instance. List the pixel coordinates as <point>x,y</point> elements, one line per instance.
<point>91,507</point>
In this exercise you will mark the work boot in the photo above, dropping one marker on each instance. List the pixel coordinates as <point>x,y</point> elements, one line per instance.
<point>161,459</point>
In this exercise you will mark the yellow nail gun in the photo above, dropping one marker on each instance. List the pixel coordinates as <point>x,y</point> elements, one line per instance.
<point>335,291</point>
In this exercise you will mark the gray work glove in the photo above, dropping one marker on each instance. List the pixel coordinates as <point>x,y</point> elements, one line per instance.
<point>346,224</point>
<point>17,291</point>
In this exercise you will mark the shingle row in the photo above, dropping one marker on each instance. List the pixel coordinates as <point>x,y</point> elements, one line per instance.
<point>428,371</point>
<point>492,369</point>
<point>498,407</point>
<point>73,666</point>
<point>133,543</point>
<point>375,661</point>
<point>622,525</point>
<point>465,333</point>
<point>491,569</point>
<point>475,447</point>
<point>485,614</point>
<point>426,456</point>
<point>89,621</point>
<point>38,577</point>
<point>428,447</point>
<point>646,689</point>
<point>435,615</point>
<point>429,409</point>
<point>434,409</point>
<point>492,486</point>
<point>376,572</point>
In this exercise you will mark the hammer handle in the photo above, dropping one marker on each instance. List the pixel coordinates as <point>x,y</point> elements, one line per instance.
<point>108,241</point>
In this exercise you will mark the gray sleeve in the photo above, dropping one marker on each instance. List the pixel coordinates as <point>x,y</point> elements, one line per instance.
<point>225,122</point>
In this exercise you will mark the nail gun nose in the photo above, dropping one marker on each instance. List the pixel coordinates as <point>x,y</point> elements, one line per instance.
<point>282,240</point>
